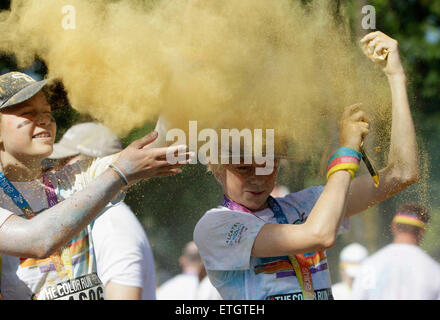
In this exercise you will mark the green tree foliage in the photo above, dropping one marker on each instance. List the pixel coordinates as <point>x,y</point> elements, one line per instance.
<point>416,25</point>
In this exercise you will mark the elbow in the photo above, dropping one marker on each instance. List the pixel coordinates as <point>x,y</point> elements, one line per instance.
<point>328,242</point>
<point>323,239</point>
<point>44,251</point>
<point>36,253</point>
<point>412,178</point>
<point>41,254</point>
<point>408,178</point>
<point>405,173</point>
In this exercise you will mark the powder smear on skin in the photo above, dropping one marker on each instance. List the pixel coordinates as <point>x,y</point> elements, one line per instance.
<point>227,64</point>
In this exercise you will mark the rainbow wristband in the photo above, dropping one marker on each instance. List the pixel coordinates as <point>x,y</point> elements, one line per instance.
<point>344,151</point>
<point>344,159</point>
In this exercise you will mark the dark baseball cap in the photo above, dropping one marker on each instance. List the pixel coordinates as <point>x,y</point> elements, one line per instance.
<point>16,87</point>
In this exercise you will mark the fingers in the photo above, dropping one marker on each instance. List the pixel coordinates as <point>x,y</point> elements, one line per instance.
<point>360,116</point>
<point>363,124</point>
<point>377,45</point>
<point>162,152</point>
<point>373,42</point>
<point>370,36</point>
<point>350,109</point>
<point>184,158</point>
<point>147,139</point>
<point>174,154</point>
<point>166,163</point>
<point>374,35</point>
<point>168,173</point>
<point>379,50</point>
<point>354,113</point>
<point>364,131</point>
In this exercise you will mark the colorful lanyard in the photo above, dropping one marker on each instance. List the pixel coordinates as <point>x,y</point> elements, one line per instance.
<point>16,197</point>
<point>59,259</point>
<point>299,261</point>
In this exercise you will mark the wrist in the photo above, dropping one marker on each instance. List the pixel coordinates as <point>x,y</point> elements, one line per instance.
<point>396,76</point>
<point>344,174</point>
<point>346,159</point>
<point>345,151</point>
<point>117,172</point>
<point>352,146</point>
<point>113,179</point>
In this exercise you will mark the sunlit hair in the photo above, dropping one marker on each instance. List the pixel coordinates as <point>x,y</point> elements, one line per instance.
<point>215,169</point>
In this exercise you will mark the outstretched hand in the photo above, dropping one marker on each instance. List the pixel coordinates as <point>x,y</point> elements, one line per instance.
<point>138,163</point>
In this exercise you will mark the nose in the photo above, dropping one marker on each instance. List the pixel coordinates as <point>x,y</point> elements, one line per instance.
<point>44,118</point>
<point>257,180</point>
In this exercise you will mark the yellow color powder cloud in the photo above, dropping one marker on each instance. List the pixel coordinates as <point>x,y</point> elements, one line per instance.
<point>227,64</point>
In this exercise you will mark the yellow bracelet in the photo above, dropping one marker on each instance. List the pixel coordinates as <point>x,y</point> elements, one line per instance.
<point>350,167</point>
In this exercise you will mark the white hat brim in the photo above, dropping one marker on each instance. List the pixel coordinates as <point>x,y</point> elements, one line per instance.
<point>60,151</point>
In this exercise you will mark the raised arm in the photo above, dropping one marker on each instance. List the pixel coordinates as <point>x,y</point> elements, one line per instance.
<point>402,168</point>
<point>51,229</point>
<point>321,227</point>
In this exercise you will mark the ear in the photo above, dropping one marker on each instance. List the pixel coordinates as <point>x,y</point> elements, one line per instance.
<point>393,229</point>
<point>181,261</point>
<point>217,170</point>
<point>420,235</point>
<point>220,175</point>
<point>217,174</point>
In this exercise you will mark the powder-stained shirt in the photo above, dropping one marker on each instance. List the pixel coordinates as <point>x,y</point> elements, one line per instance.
<point>23,278</point>
<point>225,239</point>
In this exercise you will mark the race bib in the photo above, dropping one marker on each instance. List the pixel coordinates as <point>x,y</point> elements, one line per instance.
<point>88,287</point>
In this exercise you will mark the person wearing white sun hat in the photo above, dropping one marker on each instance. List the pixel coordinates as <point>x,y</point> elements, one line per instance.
<point>124,258</point>
<point>350,260</point>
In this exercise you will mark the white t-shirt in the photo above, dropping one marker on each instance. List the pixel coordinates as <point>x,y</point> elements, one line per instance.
<point>398,271</point>
<point>23,279</point>
<point>341,291</point>
<point>225,239</point>
<point>184,286</point>
<point>123,253</point>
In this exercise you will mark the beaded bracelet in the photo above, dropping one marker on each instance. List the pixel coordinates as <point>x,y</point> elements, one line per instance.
<point>344,159</point>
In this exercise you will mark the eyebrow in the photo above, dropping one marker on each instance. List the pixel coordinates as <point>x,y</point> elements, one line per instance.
<point>27,107</point>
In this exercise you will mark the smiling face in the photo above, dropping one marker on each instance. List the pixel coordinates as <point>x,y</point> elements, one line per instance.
<point>242,185</point>
<point>27,130</point>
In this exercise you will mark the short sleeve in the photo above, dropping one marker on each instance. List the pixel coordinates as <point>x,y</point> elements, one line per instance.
<point>303,201</point>
<point>78,175</point>
<point>4,214</point>
<point>84,171</point>
<point>99,165</point>
<point>123,253</point>
<point>225,238</point>
<point>363,283</point>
